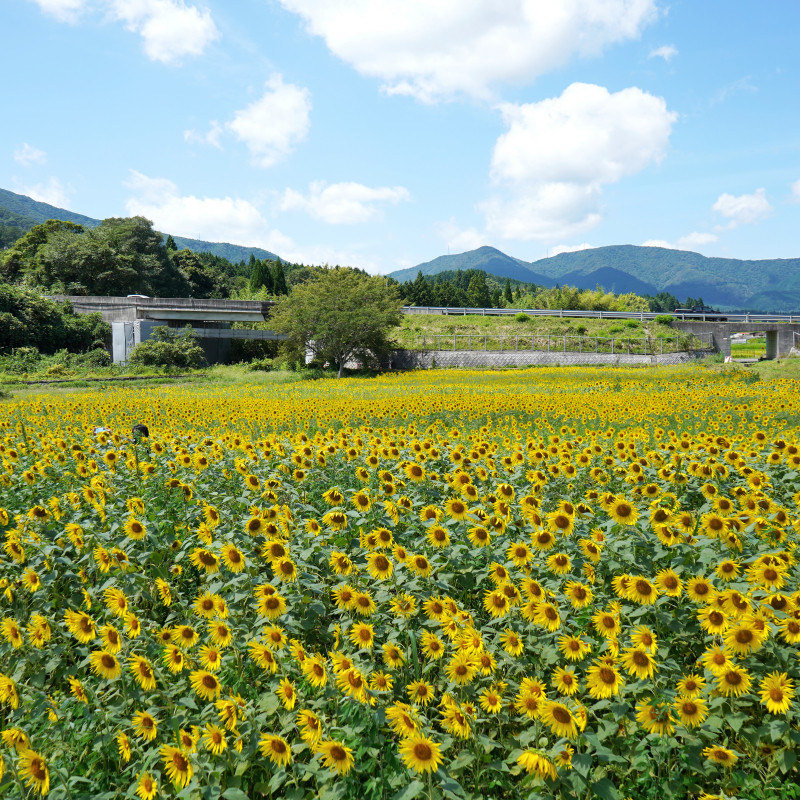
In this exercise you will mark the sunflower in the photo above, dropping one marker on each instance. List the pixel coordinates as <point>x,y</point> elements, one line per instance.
<point>205,684</point>
<point>479,536</point>
<point>496,603</point>
<point>560,720</point>
<point>142,671</point>
<point>461,669</point>
<point>432,646</point>
<point>173,658</point>
<point>655,718</point>
<point>744,638</point>
<point>379,566</point>
<point>639,662</point>
<point>214,739</point>
<point>573,647</point>
<point>403,605</point>
<point>777,692</point>
<point>641,590</point>
<point>145,725</point>
<point>205,560</point>
<point>565,681</point>
<point>733,681</point>
<point>310,726</point>
<point>336,755</point>
<point>233,558</point>
<point>32,768</point>
<point>123,746</point>
<point>420,753</point>
<point>393,655</point>
<point>578,594</point>
<point>420,692</point>
<point>606,624</point>
<point>135,530</point>
<point>314,671</point>
<point>177,765</point>
<point>713,620</point>
<point>691,711</point>
<point>603,680</point>
<point>700,590</point>
<point>490,700</point>
<point>105,665</point>
<point>720,755</point>
<point>420,565</point>
<point>559,563</point>
<point>537,763</point>
<point>512,643</point>
<point>79,624</point>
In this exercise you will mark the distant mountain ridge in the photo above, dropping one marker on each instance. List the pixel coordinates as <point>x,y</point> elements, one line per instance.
<point>27,212</point>
<point>769,285</point>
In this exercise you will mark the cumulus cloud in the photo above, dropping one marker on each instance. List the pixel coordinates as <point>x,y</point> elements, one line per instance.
<point>212,218</point>
<point>568,248</point>
<point>27,155</point>
<point>343,203</point>
<point>62,10</point>
<point>667,52</point>
<point>272,126</point>
<point>171,29</point>
<point>212,136</point>
<point>441,48</point>
<point>742,210</point>
<point>692,241</point>
<point>51,191</point>
<point>458,239</point>
<point>550,166</point>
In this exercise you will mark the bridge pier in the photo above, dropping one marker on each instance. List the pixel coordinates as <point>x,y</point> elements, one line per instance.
<point>780,335</point>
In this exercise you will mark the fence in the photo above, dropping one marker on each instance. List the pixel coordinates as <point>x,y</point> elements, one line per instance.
<point>640,315</point>
<point>564,344</point>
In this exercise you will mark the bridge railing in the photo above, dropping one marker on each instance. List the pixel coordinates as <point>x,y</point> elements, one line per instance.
<point>615,345</point>
<point>640,315</point>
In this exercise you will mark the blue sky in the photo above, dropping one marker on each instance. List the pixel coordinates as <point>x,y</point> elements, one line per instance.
<point>383,133</point>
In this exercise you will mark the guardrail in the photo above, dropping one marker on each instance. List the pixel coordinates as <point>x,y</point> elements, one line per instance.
<point>640,315</point>
<point>646,345</point>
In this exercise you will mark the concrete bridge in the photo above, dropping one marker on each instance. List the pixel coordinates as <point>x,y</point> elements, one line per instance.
<point>780,335</point>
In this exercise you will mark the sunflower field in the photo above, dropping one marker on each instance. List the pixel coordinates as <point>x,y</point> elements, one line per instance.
<point>559,583</point>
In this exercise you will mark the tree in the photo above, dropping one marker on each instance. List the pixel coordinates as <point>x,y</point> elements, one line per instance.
<point>478,295</point>
<point>260,275</point>
<point>338,315</point>
<point>169,349</point>
<point>170,244</point>
<point>507,296</point>
<point>279,286</point>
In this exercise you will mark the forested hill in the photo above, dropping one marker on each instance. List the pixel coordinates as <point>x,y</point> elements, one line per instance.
<point>767,285</point>
<point>19,213</point>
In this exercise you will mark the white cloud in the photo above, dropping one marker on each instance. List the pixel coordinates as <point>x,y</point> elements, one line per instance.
<point>434,49</point>
<point>62,10</point>
<point>27,155</point>
<point>343,203</point>
<point>550,166</point>
<point>568,248</point>
<point>459,240</point>
<point>742,210</point>
<point>692,241</point>
<point>741,85</point>
<point>796,190</point>
<point>212,136</point>
<point>272,126</point>
<point>171,29</point>
<point>667,52</point>
<point>52,192</point>
<point>216,219</point>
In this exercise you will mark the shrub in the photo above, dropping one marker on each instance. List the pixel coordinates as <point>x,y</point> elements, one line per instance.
<point>261,365</point>
<point>169,350</point>
<point>664,319</point>
<point>631,323</point>
<point>581,329</point>
<point>522,317</point>
<point>616,329</point>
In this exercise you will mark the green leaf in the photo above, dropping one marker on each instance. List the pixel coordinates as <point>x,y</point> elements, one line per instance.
<point>234,794</point>
<point>462,760</point>
<point>605,789</point>
<point>736,720</point>
<point>786,759</point>
<point>409,792</point>
<point>777,728</point>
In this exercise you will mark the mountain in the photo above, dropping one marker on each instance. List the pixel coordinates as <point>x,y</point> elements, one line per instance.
<point>488,259</point>
<point>729,283</point>
<point>25,212</point>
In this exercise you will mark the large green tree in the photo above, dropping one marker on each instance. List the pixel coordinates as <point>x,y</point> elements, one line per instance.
<point>339,315</point>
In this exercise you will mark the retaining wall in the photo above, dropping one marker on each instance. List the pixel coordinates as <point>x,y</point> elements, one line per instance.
<point>483,359</point>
